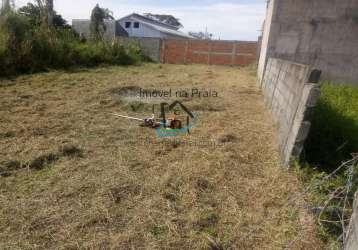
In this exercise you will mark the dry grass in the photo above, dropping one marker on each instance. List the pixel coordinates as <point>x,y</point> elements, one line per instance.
<point>75,177</point>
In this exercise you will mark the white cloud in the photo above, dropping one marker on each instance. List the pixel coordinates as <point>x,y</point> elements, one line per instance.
<point>225,20</point>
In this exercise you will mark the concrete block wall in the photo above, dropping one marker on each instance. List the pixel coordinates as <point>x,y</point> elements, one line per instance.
<point>322,33</point>
<point>151,46</point>
<point>290,92</point>
<point>82,27</point>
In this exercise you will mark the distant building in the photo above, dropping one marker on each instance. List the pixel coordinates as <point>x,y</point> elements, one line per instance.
<point>133,25</point>
<point>140,26</point>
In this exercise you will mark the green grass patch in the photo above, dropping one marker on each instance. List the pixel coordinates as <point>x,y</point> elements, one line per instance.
<point>332,140</point>
<point>334,132</point>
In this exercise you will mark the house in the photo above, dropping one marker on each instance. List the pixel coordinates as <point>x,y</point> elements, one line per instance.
<point>133,25</point>
<point>140,26</point>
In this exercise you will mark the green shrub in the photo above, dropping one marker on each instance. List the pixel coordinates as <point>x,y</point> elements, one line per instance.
<point>25,48</point>
<point>13,33</point>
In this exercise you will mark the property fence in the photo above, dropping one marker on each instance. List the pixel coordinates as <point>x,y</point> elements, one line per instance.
<point>208,52</point>
<point>151,47</point>
<point>188,51</point>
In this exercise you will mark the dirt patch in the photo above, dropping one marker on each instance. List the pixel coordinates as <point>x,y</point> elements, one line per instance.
<point>140,95</point>
<point>43,161</point>
<point>205,106</point>
<point>71,151</point>
<point>128,92</point>
<point>25,96</point>
<point>207,222</point>
<point>6,135</point>
<point>12,165</point>
<point>227,138</point>
<point>40,162</point>
<point>8,167</point>
<point>203,184</point>
<point>119,194</point>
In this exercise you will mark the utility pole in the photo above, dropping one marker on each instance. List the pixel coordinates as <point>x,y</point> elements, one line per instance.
<point>49,12</point>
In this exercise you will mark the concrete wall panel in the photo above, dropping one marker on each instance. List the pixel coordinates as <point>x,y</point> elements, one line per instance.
<point>151,47</point>
<point>322,33</point>
<point>289,95</point>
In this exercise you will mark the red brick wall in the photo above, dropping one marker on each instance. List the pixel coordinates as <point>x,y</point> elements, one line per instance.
<point>208,52</point>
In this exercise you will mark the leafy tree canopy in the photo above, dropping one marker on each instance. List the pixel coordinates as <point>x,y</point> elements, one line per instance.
<point>7,6</point>
<point>34,12</point>
<point>98,16</point>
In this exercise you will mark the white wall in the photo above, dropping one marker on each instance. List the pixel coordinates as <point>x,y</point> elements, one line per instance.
<point>143,30</point>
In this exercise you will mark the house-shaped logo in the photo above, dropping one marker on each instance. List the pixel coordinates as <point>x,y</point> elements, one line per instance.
<point>172,126</point>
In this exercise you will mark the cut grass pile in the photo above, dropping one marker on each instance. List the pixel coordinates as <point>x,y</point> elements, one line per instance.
<point>122,187</point>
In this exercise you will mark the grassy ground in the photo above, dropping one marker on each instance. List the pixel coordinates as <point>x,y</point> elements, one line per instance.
<point>334,134</point>
<point>333,139</point>
<point>75,177</point>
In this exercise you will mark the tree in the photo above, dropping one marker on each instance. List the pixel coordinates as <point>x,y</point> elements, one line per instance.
<point>201,35</point>
<point>6,7</point>
<point>34,13</point>
<point>98,26</point>
<point>46,11</point>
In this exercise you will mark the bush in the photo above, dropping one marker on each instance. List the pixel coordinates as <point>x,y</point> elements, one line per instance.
<point>25,48</point>
<point>334,132</point>
<point>13,36</point>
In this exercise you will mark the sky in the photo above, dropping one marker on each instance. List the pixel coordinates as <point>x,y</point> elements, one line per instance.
<point>226,19</point>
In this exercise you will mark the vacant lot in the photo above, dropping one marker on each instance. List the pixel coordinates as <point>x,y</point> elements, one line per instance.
<point>73,176</point>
